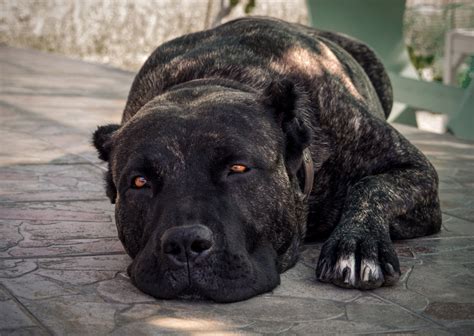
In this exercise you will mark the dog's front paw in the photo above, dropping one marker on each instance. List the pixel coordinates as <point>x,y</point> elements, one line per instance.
<point>365,262</point>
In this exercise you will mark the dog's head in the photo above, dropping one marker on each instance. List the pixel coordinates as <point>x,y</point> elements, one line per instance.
<point>206,190</point>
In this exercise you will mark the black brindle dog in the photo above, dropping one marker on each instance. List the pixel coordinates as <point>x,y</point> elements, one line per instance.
<point>209,168</point>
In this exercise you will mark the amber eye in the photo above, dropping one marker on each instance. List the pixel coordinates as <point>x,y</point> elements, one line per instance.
<point>238,168</point>
<point>139,182</point>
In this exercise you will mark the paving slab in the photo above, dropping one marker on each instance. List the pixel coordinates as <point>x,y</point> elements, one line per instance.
<point>46,182</point>
<point>63,270</point>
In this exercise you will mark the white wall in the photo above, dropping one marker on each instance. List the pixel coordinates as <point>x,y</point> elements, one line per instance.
<point>120,32</point>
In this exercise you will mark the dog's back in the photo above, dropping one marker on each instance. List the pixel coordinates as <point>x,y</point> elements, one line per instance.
<point>372,65</point>
<point>254,51</point>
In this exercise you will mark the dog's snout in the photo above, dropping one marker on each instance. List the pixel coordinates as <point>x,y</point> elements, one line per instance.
<point>186,243</point>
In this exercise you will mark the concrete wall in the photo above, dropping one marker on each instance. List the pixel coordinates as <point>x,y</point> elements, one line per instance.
<point>121,32</point>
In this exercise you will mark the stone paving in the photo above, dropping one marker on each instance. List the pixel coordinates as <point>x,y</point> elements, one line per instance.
<point>62,269</point>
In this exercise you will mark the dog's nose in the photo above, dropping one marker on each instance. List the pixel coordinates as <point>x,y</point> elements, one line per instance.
<point>186,243</point>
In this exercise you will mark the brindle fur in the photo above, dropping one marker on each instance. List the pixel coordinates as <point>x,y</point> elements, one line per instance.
<point>278,88</point>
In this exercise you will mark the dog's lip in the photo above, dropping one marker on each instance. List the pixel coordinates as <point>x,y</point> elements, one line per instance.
<point>192,285</point>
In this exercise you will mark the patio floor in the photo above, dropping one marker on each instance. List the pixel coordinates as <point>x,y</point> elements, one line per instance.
<point>62,269</point>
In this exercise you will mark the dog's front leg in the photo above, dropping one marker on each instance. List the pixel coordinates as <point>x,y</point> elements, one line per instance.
<point>402,203</point>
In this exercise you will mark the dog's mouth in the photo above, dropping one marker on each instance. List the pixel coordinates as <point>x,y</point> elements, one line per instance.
<point>222,277</point>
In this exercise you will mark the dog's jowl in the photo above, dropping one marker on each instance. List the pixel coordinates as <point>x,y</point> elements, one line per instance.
<point>239,143</point>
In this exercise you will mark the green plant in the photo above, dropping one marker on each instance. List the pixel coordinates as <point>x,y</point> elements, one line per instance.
<point>248,7</point>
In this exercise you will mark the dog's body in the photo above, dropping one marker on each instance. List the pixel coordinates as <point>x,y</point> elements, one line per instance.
<point>216,123</point>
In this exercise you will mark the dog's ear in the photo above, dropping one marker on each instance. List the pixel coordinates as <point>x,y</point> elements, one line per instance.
<point>288,104</point>
<point>102,140</point>
<point>110,189</point>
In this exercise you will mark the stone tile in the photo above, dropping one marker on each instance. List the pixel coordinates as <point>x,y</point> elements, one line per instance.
<point>32,72</point>
<point>10,234</point>
<point>172,326</point>
<point>30,238</point>
<point>78,145</point>
<point>459,203</point>
<point>445,273</point>
<point>4,295</point>
<point>345,327</point>
<point>437,145</point>
<point>450,311</point>
<point>13,317</point>
<point>73,143</point>
<point>300,281</point>
<point>139,311</point>
<point>445,148</point>
<point>263,314</point>
<point>21,148</point>
<point>52,195</point>
<point>280,309</point>
<point>382,315</point>
<point>80,113</point>
<point>37,286</point>
<point>40,279</point>
<point>457,227</point>
<point>45,233</point>
<point>170,317</point>
<point>402,296</point>
<point>121,290</point>
<point>51,183</point>
<point>69,248</point>
<point>66,247</point>
<point>24,331</point>
<point>442,250</point>
<point>116,263</point>
<point>269,328</point>
<point>15,268</point>
<point>57,228</point>
<point>443,282</point>
<point>455,176</point>
<point>462,328</point>
<point>89,211</point>
<point>67,316</point>
<point>39,63</point>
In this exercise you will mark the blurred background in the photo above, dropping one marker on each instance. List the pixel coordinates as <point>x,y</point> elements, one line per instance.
<point>426,23</point>
<point>123,33</point>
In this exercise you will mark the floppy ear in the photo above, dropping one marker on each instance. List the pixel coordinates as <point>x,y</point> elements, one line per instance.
<point>102,140</point>
<point>288,104</point>
<point>110,189</point>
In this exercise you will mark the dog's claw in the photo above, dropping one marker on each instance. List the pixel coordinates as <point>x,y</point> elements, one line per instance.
<point>363,256</point>
<point>389,269</point>
<point>323,272</point>
<point>366,274</point>
<point>391,276</point>
<point>347,275</point>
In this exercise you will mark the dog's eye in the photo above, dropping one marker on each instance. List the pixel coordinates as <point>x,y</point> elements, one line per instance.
<point>238,169</point>
<point>139,182</point>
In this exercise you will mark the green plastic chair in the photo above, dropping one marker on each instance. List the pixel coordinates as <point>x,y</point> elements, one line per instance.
<point>379,23</point>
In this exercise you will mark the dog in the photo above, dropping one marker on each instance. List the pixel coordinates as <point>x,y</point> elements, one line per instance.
<point>239,143</point>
